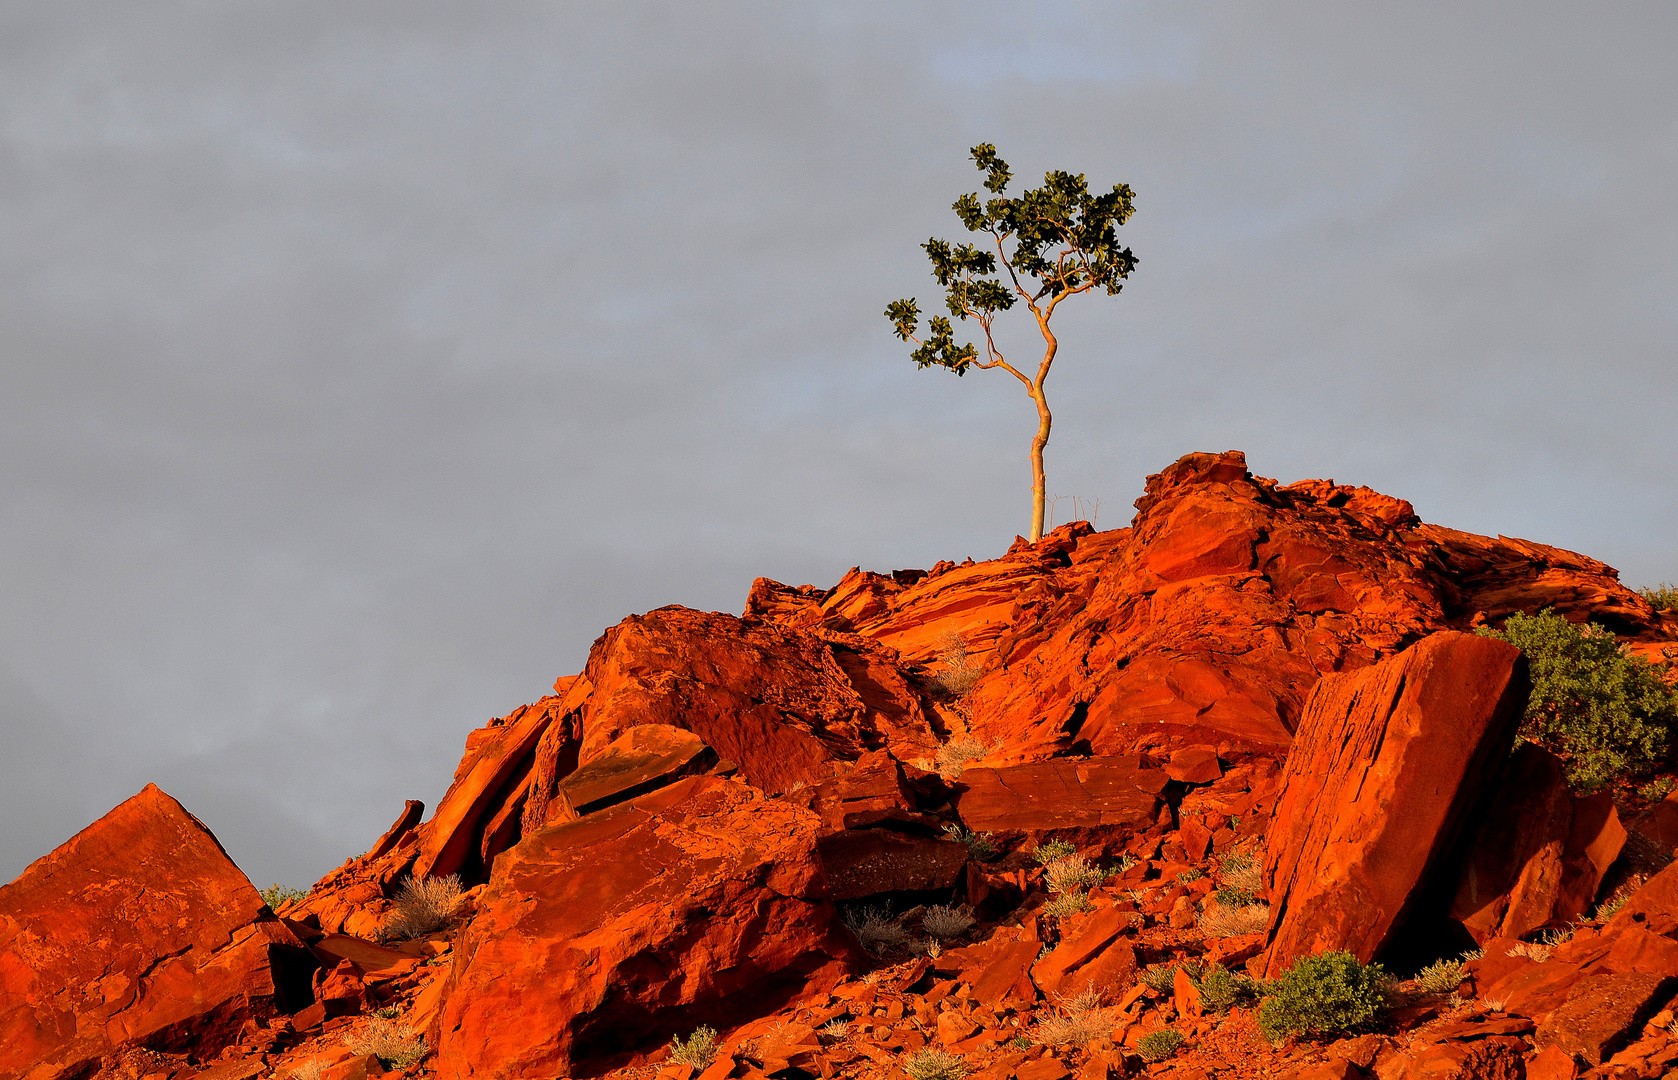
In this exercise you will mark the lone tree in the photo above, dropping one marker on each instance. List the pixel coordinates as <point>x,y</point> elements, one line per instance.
<point>1064,244</point>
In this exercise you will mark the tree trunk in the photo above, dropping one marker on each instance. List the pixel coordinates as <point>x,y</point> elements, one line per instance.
<point>1039,483</point>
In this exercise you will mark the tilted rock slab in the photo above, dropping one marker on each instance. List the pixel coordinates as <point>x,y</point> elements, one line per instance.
<point>1386,765</point>
<point>701,902</point>
<point>138,931</point>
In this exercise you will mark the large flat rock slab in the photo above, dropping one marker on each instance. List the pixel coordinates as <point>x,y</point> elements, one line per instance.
<point>1386,765</point>
<point>137,931</point>
<point>1060,795</point>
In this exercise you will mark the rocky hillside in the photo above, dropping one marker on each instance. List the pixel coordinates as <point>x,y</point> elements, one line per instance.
<point>1063,813</point>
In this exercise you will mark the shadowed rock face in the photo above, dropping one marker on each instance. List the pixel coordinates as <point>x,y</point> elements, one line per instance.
<point>1387,765</point>
<point>137,931</point>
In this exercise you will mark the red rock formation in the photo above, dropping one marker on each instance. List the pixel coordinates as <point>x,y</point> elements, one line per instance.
<point>1541,854</point>
<point>698,902</point>
<point>138,931</point>
<point>1088,802</point>
<point>1387,764</point>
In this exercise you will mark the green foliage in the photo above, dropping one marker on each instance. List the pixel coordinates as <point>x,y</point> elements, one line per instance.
<point>1126,861</point>
<point>1159,978</point>
<point>934,1064</point>
<point>1322,994</point>
<point>698,1050</point>
<point>1050,850</point>
<point>1067,903</point>
<point>1191,874</point>
<point>1020,1042</point>
<point>1611,906</point>
<point>1220,990</point>
<point>1664,596</point>
<point>277,896</point>
<point>1159,1045</point>
<point>1656,790</point>
<point>1608,713</point>
<point>1235,898</point>
<point>978,844</point>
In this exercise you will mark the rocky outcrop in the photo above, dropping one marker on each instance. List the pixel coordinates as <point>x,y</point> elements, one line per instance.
<point>1387,765</point>
<point>137,932</point>
<point>1090,802</point>
<point>1541,854</point>
<point>698,902</point>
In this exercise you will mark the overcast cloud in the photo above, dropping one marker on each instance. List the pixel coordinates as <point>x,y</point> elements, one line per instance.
<point>361,363</point>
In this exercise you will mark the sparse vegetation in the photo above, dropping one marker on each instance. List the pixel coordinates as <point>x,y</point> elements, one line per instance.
<point>960,672</point>
<point>1159,1045</point>
<point>1607,713</point>
<point>1069,903</point>
<point>1441,977</point>
<point>1050,850</point>
<point>1125,862</point>
<point>397,1046</point>
<point>423,906</point>
<point>1322,994</point>
<point>1191,874</point>
<point>934,1064</point>
<point>277,896</point>
<point>979,845</point>
<point>1662,597</point>
<point>1160,977</point>
<point>875,929</point>
<point>958,753</point>
<point>699,1049</point>
<point>1221,990</point>
<point>945,923</point>
<point>1076,1020</point>
<point>1072,873</point>
<point>837,1030</point>
<point>1220,920</point>
<point>1611,906</point>
<point>309,1070</point>
<point>1656,790</point>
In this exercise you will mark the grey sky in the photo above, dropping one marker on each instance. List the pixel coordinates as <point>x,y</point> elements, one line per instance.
<point>360,363</point>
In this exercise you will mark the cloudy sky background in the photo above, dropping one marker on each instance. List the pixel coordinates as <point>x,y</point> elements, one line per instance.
<point>361,363</point>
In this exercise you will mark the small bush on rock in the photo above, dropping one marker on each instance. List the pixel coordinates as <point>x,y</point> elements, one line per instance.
<point>955,755</point>
<point>1159,1045</point>
<point>277,896</point>
<point>1071,874</point>
<point>875,929</point>
<point>934,1064</point>
<point>423,906</point>
<point>1662,597</point>
<point>1606,712</point>
<point>960,672</point>
<point>1076,1021</point>
<point>1068,903</point>
<point>1323,994</point>
<point>1442,977</point>
<point>1220,990</point>
<point>698,1050</point>
<point>1050,850</point>
<point>1221,920</point>
<point>944,923</point>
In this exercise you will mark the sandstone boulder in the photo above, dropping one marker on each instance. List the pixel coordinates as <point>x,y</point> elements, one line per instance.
<point>1540,856</point>
<point>700,902</point>
<point>138,931</point>
<point>1386,766</point>
<point>1087,801</point>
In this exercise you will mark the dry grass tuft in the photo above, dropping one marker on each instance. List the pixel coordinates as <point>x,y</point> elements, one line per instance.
<point>1071,873</point>
<point>960,672</point>
<point>956,754</point>
<point>945,923</point>
<point>934,1064</point>
<point>698,1050</point>
<point>1067,903</point>
<point>309,1070</point>
<point>395,1045</point>
<point>1076,1021</point>
<point>875,929</point>
<point>423,906</point>
<point>1218,921</point>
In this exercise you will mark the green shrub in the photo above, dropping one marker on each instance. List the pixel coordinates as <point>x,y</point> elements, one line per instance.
<point>1159,1045</point>
<point>979,845</point>
<point>698,1050</point>
<point>1656,790</point>
<point>1662,596</point>
<point>1191,874</point>
<point>277,896</point>
<point>1322,994</point>
<point>1159,978</point>
<point>1050,850</point>
<point>1442,977</point>
<point>1221,991</point>
<point>1604,711</point>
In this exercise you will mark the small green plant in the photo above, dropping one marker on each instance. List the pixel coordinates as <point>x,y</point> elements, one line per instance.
<point>1662,597</point>
<point>1050,850</point>
<point>1221,990</point>
<point>1159,1045</point>
<point>1231,897</point>
<point>1656,790</point>
<point>1611,906</point>
<point>934,1064</point>
<point>1191,874</point>
<point>277,896</point>
<point>1019,1042</point>
<point>1067,903</point>
<point>979,845</point>
<point>1441,977</point>
<point>1606,712</point>
<point>1241,872</point>
<point>397,1046</point>
<point>1125,862</point>
<point>1322,994</point>
<point>698,1050</point>
<point>389,1012</point>
<point>1159,978</point>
